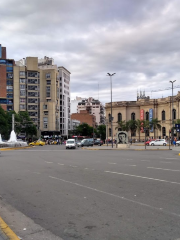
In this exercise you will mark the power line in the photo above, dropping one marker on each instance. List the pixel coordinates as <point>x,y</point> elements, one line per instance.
<point>169,88</point>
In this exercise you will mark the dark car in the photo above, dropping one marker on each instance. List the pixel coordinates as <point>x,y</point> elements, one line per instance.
<point>86,143</point>
<point>98,142</point>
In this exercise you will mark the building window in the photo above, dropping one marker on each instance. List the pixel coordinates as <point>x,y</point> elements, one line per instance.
<point>22,100</point>
<point>48,82</point>
<point>33,88</point>
<point>33,94</point>
<point>109,132</point>
<point>22,107</point>
<point>22,73</point>
<point>45,122</point>
<point>32,74</point>
<point>48,75</point>
<point>164,131</point>
<point>48,91</point>
<point>147,116</point>
<point>45,106</point>
<point>174,114</point>
<point>119,117</point>
<point>32,107</point>
<point>32,100</point>
<point>22,93</point>
<point>45,112</point>
<point>109,117</point>
<point>163,115</point>
<point>22,87</point>
<point>32,81</point>
<point>133,116</point>
<point>22,80</point>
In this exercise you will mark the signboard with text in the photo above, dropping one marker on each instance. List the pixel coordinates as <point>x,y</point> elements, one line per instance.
<point>142,118</point>
<point>151,118</point>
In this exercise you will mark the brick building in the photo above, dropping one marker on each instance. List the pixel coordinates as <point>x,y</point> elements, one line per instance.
<point>6,80</point>
<point>84,117</point>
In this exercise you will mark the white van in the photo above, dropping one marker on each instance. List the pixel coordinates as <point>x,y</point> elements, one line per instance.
<point>71,143</point>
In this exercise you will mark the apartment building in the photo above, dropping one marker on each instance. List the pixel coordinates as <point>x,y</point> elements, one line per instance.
<point>6,80</point>
<point>43,90</point>
<point>94,107</point>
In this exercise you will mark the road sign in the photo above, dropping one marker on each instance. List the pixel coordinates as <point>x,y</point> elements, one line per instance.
<point>177,125</point>
<point>178,130</point>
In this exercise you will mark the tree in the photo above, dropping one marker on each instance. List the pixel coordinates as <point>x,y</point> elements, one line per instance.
<point>139,125</point>
<point>84,130</point>
<point>155,124</point>
<point>132,126</point>
<point>123,125</point>
<point>3,123</point>
<point>101,132</point>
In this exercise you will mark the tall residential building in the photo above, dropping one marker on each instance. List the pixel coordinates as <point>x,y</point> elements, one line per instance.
<point>6,80</point>
<point>43,90</point>
<point>65,106</point>
<point>92,106</point>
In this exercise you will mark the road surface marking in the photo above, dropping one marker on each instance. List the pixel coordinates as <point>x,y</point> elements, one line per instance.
<point>86,168</point>
<point>165,162</point>
<point>48,162</point>
<point>165,169</point>
<point>117,196</point>
<point>155,179</point>
<point>131,165</point>
<point>62,164</point>
<point>112,163</point>
<point>129,159</point>
<point>72,166</point>
<point>37,172</point>
<point>145,160</point>
<point>170,158</point>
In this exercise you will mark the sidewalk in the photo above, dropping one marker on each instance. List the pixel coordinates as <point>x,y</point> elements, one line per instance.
<point>2,236</point>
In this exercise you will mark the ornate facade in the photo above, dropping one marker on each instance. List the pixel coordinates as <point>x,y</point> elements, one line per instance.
<point>145,109</point>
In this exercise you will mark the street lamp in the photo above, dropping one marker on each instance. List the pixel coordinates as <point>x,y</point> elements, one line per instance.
<point>172,135</point>
<point>110,75</point>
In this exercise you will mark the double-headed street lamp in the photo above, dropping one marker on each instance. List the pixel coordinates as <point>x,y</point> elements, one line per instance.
<point>110,75</point>
<point>172,135</point>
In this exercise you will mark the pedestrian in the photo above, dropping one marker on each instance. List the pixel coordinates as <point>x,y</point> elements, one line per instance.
<point>131,141</point>
<point>174,143</point>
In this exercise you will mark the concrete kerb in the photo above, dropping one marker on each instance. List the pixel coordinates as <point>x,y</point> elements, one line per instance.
<point>116,149</point>
<point>15,148</point>
<point>7,231</point>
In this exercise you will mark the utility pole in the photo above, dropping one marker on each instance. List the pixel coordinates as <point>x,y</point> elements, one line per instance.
<point>172,134</point>
<point>12,122</point>
<point>111,106</point>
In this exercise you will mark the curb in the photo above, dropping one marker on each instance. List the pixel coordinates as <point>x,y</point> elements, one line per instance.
<point>17,148</point>
<point>7,231</point>
<point>115,149</point>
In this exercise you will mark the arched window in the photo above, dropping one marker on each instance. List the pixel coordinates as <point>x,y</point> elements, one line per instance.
<point>119,129</point>
<point>119,117</point>
<point>163,115</point>
<point>174,114</point>
<point>147,116</point>
<point>163,131</point>
<point>109,132</point>
<point>133,116</point>
<point>109,117</point>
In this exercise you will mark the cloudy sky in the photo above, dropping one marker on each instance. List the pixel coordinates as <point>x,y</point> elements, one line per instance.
<point>139,40</point>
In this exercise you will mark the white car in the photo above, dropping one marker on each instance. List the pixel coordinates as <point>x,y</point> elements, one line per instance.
<point>158,142</point>
<point>178,143</point>
<point>71,143</point>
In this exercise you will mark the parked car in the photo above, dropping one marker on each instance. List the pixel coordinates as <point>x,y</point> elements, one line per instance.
<point>98,142</point>
<point>37,143</point>
<point>148,142</point>
<point>158,142</point>
<point>71,143</point>
<point>178,143</point>
<point>87,143</point>
<point>78,143</point>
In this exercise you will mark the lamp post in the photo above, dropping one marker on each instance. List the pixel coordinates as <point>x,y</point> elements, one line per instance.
<point>172,135</point>
<point>110,75</point>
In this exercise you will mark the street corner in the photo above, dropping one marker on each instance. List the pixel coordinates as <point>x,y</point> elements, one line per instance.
<point>7,231</point>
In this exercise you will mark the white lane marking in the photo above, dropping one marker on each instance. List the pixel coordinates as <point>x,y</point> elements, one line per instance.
<point>170,158</point>
<point>86,168</point>
<point>117,196</point>
<point>165,169</point>
<point>145,161</point>
<point>72,166</point>
<point>155,179</point>
<point>61,164</point>
<point>131,165</point>
<point>165,162</point>
<point>48,162</point>
<point>37,172</point>
<point>112,163</point>
<point>129,159</point>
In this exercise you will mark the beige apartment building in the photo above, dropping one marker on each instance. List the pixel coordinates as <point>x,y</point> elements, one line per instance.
<point>145,109</point>
<point>43,90</point>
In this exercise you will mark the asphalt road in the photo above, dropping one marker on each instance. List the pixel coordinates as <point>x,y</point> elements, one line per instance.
<point>95,195</point>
